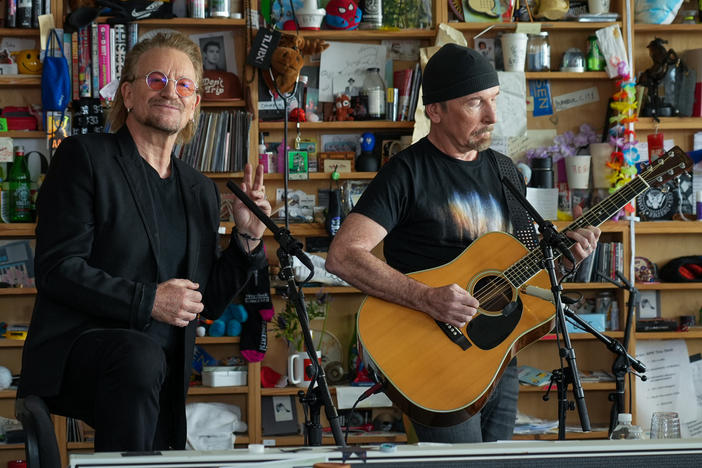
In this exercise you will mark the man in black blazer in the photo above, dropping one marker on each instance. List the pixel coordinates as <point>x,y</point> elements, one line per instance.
<point>127,256</point>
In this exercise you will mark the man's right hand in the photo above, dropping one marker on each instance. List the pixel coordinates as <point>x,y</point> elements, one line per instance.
<point>177,302</point>
<point>451,304</point>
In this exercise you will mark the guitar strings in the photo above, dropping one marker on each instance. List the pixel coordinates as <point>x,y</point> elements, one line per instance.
<point>531,264</point>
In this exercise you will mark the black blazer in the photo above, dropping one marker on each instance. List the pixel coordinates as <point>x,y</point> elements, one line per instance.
<point>96,262</point>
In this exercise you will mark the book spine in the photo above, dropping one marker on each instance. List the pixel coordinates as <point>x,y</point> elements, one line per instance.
<point>11,13</point>
<point>85,81</point>
<point>111,50</point>
<point>132,35</point>
<point>120,49</point>
<point>74,65</point>
<point>36,11</point>
<point>94,60</point>
<point>103,55</point>
<point>24,14</point>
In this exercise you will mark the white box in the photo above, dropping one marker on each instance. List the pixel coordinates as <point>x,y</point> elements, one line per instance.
<point>224,376</point>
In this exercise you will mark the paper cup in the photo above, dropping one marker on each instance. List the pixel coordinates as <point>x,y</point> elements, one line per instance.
<point>578,171</point>
<point>601,153</point>
<point>597,7</point>
<point>514,47</point>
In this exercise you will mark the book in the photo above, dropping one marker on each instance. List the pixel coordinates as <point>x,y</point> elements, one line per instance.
<point>85,71</point>
<point>402,80</point>
<point>532,376</point>
<point>120,49</point>
<point>104,72</point>
<point>94,60</point>
<point>132,35</point>
<point>74,66</point>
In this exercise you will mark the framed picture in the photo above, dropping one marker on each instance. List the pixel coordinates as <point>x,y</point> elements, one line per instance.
<point>217,50</point>
<point>297,165</point>
<point>343,159</point>
<point>649,305</point>
<point>279,415</point>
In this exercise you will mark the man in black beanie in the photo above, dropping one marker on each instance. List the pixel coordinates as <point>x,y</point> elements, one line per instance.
<point>427,205</point>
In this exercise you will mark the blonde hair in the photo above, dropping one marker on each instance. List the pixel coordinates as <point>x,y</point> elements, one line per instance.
<point>118,113</point>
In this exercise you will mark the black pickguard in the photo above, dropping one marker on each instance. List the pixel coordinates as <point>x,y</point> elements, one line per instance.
<point>487,332</point>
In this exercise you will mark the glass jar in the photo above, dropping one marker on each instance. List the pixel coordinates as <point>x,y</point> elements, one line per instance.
<point>538,52</point>
<point>374,90</point>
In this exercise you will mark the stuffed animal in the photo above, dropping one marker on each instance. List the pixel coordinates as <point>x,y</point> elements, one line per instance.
<point>229,323</point>
<point>287,60</point>
<point>342,108</point>
<point>343,14</point>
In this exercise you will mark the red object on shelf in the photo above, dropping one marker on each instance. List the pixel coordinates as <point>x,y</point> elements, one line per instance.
<point>655,146</point>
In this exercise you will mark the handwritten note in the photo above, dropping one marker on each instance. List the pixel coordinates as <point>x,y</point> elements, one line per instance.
<point>575,99</point>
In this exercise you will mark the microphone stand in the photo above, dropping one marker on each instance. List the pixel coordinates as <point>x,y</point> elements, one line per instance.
<point>562,377</point>
<point>318,396</point>
<point>623,362</point>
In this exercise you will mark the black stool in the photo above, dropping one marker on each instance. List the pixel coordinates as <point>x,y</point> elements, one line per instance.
<point>40,444</point>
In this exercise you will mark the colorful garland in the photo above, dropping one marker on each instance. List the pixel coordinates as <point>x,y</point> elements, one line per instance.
<point>621,138</point>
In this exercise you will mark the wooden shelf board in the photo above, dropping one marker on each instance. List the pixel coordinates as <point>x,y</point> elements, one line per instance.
<point>673,335</point>
<point>20,80</point>
<point>346,125</point>
<point>203,340</point>
<point>592,285</point>
<point>4,446</point>
<point>80,445</point>
<point>372,35</point>
<point>666,28</point>
<point>584,335</point>
<point>215,103</point>
<point>225,390</point>
<point>559,75</point>
<point>8,343</point>
<point>21,32</point>
<point>188,22</point>
<point>17,229</point>
<point>18,291</point>
<point>4,394</point>
<point>296,229</point>
<point>546,25</point>
<point>668,227</point>
<point>669,123</point>
<point>23,134</point>
<point>669,286</point>
<point>587,386</point>
<point>312,175</point>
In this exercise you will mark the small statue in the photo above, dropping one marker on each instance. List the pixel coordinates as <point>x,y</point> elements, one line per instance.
<point>653,104</point>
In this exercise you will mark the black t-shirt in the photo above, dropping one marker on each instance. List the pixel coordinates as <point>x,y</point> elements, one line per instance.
<point>170,217</point>
<point>433,206</point>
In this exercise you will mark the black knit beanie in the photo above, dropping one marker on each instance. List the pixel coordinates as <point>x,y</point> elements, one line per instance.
<point>455,71</point>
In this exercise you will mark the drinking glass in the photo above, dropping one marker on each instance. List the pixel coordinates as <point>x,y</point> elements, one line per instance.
<point>665,425</point>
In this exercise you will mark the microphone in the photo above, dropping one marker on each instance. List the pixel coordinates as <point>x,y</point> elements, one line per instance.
<point>291,246</point>
<point>545,294</point>
<point>563,248</point>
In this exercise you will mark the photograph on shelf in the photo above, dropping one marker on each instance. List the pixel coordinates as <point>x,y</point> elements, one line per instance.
<point>217,50</point>
<point>339,161</point>
<point>17,263</point>
<point>344,67</point>
<point>279,415</point>
<point>649,305</point>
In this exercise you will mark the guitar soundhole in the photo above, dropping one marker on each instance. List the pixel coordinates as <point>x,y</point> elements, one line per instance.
<point>493,293</point>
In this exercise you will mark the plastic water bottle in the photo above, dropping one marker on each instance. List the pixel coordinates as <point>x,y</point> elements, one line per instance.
<point>626,430</point>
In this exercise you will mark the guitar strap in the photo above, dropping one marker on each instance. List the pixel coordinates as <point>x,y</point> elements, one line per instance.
<point>522,222</point>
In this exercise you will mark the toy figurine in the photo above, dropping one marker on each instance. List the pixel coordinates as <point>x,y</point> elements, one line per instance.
<point>342,108</point>
<point>366,161</point>
<point>343,14</point>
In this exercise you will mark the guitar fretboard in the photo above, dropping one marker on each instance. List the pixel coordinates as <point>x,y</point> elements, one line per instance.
<point>533,262</point>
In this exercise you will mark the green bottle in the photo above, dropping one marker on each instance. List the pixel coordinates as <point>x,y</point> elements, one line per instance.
<point>20,196</point>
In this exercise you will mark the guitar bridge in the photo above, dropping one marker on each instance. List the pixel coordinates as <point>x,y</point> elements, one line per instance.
<point>454,334</point>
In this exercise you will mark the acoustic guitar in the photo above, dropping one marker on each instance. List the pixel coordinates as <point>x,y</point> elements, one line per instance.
<point>441,375</point>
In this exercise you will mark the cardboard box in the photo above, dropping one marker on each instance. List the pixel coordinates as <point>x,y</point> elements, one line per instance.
<point>224,376</point>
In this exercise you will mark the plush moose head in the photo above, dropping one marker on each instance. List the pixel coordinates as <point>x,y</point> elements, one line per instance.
<point>288,59</point>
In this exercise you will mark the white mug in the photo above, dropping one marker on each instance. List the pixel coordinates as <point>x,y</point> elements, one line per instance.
<point>297,366</point>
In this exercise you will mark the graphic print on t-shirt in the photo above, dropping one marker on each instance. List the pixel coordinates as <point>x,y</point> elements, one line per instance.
<point>475,214</point>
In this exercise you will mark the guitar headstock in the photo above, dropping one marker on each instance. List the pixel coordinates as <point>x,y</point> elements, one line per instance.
<point>673,163</point>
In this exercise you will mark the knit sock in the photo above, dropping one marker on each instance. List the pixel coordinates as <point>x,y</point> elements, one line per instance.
<point>258,304</point>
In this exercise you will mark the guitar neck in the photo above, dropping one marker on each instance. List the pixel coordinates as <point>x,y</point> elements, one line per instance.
<point>532,263</point>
